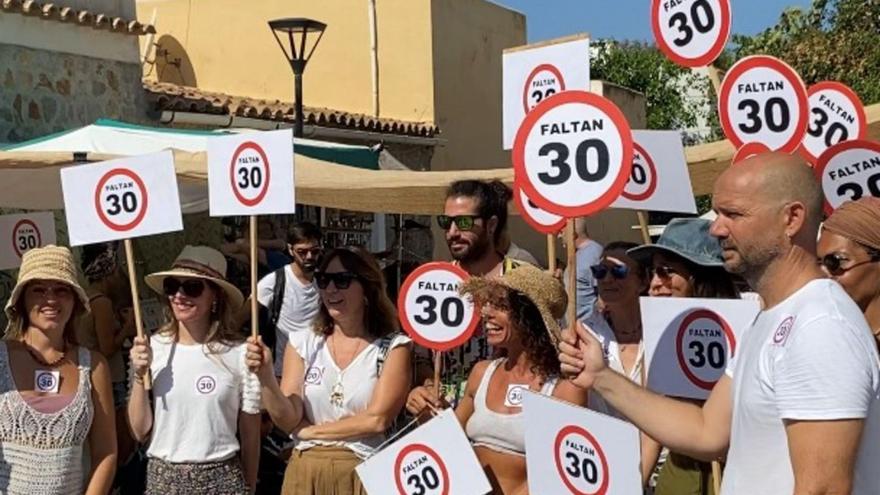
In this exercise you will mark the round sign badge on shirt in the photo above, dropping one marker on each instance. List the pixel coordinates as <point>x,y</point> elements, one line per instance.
<point>432,311</point>
<point>206,384</point>
<point>419,470</point>
<point>573,154</point>
<point>704,344</point>
<point>121,199</point>
<point>691,33</point>
<point>836,115</point>
<point>763,100</point>
<point>545,81</point>
<point>581,462</point>
<point>538,219</point>
<point>25,236</point>
<point>249,173</point>
<point>747,151</point>
<point>643,180</point>
<point>314,375</point>
<point>848,171</point>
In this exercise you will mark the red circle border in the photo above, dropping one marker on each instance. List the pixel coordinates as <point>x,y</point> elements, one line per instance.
<point>830,153</point>
<point>140,183</point>
<point>533,223</point>
<point>262,194</point>
<point>603,489</point>
<point>696,315</point>
<point>654,178</point>
<point>427,450</point>
<point>25,221</point>
<point>852,96</point>
<point>703,60</point>
<point>549,68</point>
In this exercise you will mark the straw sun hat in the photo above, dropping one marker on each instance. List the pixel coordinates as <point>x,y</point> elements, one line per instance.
<point>199,262</point>
<point>542,289</point>
<point>50,262</point>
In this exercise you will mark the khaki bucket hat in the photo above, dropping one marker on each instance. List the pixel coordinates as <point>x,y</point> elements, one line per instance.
<point>50,262</point>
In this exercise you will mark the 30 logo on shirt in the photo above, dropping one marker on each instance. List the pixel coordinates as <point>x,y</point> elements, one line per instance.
<point>314,375</point>
<point>783,331</point>
<point>206,384</point>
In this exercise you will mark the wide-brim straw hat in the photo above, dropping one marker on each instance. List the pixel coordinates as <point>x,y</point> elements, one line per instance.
<point>687,238</point>
<point>200,262</point>
<point>50,262</point>
<point>545,291</point>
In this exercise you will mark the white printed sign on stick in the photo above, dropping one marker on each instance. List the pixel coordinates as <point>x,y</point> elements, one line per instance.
<point>573,154</point>
<point>121,199</point>
<point>571,449</point>
<point>20,233</point>
<point>251,174</point>
<point>432,312</point>
<point>836,115</point>
<point>538,219</point>
<point>691,33</point>
<point>434,459</point>
<point>535,73</point>
<point>848,171</point>
<point>689,341</point>
<point>763,100</point>
<point>659,180</point>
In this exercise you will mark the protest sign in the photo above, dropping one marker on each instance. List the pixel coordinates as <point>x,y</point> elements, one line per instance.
<point>848,171</point>
<point>22,232</point>
<point>836,115</point>
<point>749,150</point>
<point>691,33</point>
<point>538,219</point>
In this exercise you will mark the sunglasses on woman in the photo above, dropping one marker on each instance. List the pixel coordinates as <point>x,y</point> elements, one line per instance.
<point>462,222</point>
<point>619,272</point>
<point>833,263</point>
<point>342,280</point>
<point>190,287</point>
<point>664,271</point>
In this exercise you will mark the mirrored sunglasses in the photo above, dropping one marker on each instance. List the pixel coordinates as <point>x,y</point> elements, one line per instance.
<point>600,271</point>
<point>462,222</point>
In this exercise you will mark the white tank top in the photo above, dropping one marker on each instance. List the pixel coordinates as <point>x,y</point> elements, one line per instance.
<point>504,433</point>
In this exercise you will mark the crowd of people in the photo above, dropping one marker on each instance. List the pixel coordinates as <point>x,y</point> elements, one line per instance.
<point>331,375</point>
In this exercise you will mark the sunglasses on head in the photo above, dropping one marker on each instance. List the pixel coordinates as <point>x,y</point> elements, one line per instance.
<point>462,222</point>
<point>190,287</point>
<point>342,280</point>
<point>833,263</point>
<point>617,271</point>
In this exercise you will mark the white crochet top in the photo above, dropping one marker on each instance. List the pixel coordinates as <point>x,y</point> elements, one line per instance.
<point>43,453</point>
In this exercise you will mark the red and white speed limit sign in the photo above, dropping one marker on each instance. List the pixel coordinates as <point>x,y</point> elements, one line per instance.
<point>573,153</point>
<point>432,311</point>
<point>538,219</point>
<point>25,236</point>
<point>581,462</point>
<point>418,470</point>
<point>747,151</point>
<point>643,179</point>
<point>836,115</point>
<point>249,173</point>
<point>121,199</point>
<point>763,100</point>
<point>848,171</point>
<point>704,344</point>
<point>691,33</point>
<point>545,81</point>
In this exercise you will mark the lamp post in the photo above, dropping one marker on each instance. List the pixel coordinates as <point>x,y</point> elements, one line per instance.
<point>297,31</point>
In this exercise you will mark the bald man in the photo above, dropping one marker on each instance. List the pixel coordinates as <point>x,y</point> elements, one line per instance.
<point>792,403</point>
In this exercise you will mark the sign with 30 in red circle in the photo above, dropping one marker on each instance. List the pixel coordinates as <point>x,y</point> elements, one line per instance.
<point>691,33</point>
<point>21,232</point>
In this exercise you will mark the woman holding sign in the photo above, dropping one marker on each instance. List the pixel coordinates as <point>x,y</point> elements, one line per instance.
<point>205,398</point>
<point>342,384</point>
<point>47,381</point>
<point>520,312</point>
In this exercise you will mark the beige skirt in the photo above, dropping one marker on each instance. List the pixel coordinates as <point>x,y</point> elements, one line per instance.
<point>322,471</point>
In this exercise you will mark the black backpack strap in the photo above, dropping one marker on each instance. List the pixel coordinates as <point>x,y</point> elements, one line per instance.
<point>277,296</point>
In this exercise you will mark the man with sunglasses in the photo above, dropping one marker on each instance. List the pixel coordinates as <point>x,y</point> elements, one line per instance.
<point>793,401</point>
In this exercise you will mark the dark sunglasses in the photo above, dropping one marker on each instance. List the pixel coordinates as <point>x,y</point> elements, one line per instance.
<point>190,287</point>
<point>833,263</point>
<point>664,271</point>
<point>302,252</point>
<point>462,222</point>
<point>617,271</point>
<point>342,280</point>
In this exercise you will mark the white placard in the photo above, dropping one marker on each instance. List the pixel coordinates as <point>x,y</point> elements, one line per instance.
<point>763,100</point>
<point>20,233</point>
<point>659,180</point>
<point>689,341</point>
<point>533,74</point>
<point>434,459</point>
<point>836,115</point>
<point>121,199</point>
<point>538,219</point>
<point>251,174</point>
<point>432,311</point>
<point>573,154</point>
<point>570,449</point>
<point>691,33</point>
<point>848,171</point>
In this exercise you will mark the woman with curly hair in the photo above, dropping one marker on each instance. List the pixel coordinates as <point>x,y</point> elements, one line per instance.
<point>520,312</point>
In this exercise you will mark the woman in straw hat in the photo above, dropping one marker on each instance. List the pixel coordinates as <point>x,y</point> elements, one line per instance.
<point>205,398</point>
<point>54,394</point>
<point>520,312</point>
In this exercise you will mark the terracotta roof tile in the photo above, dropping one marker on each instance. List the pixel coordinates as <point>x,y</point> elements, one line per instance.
<point>167,96</point>
<point>54,12</point>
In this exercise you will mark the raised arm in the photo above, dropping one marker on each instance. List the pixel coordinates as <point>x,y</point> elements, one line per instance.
<point>284,401</point>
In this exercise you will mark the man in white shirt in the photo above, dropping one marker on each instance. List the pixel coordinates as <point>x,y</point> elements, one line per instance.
<point>793,402</point>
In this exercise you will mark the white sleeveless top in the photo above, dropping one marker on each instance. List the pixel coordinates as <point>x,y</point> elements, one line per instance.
<point>503,433</point>
<point>330,394</point>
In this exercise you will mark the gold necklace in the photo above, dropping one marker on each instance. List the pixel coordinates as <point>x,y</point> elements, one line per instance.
<point>39,358</point>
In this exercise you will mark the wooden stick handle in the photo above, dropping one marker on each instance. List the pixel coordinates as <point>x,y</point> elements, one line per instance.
<point>716,477</point>
<point>438,364</point>
<point>254,302</point>
<point>551,253</point>
<point>136,302</point>
<point>715,78</point>
<point>643,226</point>
<point>571,265</point>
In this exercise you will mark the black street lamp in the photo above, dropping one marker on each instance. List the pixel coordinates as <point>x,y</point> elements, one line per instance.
<point>297,32</point>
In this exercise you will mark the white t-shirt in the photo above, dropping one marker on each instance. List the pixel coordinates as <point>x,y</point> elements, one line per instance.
<point>599,327</point>
<point>812,358</point>
<point>299,309</point>
<point>358,380</point>
<point>197,399</point>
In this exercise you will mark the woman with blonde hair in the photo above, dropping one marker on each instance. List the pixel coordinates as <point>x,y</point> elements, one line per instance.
<point>204,397</point>
<point>54,394</point>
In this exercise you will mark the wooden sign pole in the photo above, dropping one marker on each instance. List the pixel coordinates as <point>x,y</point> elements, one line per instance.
<point>643,226</point>
<point>571,265</point>
<point>136,302</point>
<point>551,253</point>
<point>253,249</point>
